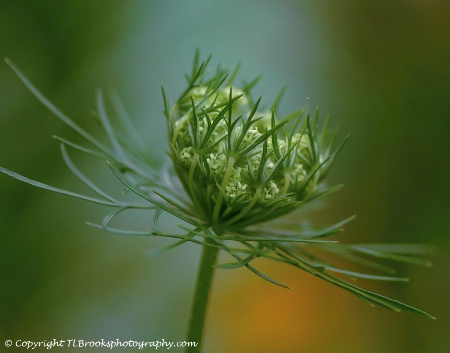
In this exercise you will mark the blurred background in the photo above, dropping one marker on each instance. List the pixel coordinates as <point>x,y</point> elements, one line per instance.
<point>380,68</point>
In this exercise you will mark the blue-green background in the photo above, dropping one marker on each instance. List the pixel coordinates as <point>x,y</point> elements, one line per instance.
<point>380,68</point>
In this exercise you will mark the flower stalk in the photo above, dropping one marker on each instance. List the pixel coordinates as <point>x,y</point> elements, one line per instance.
<point>203,285</point>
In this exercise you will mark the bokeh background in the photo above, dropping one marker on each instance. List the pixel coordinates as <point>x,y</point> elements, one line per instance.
<point>380,68</point>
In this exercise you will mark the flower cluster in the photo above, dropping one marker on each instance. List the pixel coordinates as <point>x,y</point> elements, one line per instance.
<point>240,165</point>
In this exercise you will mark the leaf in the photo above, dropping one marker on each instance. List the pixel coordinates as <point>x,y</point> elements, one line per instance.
<point>186,238</point>
<point>69,122</point>
<point>251,268</point>
<point>108,127</point>
<point>368,296</point>
<point>59,191</point>
<point>330,230</point>
<point>81,148</point>
<point>374,297</point>
<point>366,249</point>
<point>403,248</point>
<point>263,276</point>
<point>82,177</point>
<point>134,232</point>
<point>353,274</point>
<point>130,129</point>
<point>155,220</point>
<point>138,192</point>
<point>236,264</point>
<point>349,256</point>
<point>109,217</point>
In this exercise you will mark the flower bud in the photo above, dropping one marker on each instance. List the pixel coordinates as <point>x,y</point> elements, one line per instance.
<point>238,165</point>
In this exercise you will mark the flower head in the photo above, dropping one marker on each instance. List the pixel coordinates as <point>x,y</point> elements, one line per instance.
<point>241,166</point>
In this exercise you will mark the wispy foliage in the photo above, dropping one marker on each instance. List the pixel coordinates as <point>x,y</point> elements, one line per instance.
<point>236,171</point>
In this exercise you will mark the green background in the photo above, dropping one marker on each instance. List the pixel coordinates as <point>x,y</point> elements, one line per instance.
<point>380,68</point>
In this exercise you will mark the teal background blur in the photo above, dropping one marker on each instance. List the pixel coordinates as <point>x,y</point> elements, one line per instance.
<point>380,68</point>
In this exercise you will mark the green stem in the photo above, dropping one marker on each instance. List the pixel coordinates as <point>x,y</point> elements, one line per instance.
<point>202,289</point>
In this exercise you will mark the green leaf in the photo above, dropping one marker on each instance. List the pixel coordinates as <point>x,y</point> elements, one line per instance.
<point>129,128</point>
<point>368,296</point>
<point>236,264</point>
<point>108,127</point>
<point>81,148</point>
<point>82,177</point>
<point>366,249</point>
<point>69,122</point>
<point>353,274</point>
<point>152,252</point>
<point>59,191</point>
<point>138,192</point>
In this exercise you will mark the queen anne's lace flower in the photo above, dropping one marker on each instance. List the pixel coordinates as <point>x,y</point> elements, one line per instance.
<point>235,186</point>
<point>270,192</point>
<point>241,170</point>
<point>234,159</point>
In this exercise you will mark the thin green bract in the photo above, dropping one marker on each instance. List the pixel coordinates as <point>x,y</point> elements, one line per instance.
<point>236,173</point>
